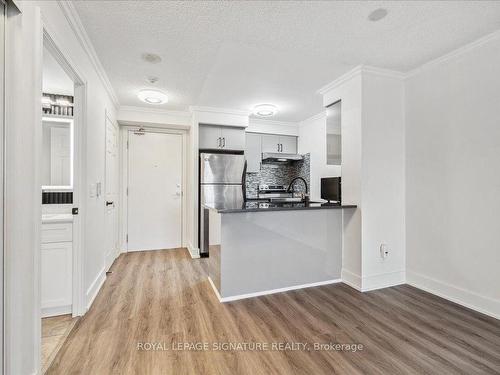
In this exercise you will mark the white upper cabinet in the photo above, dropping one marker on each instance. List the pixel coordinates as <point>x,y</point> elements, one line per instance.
<point>221,137</point>
<point>209,136</point>
<point>285,144</point>
<point>233,138</point>
<point>270,143</point>
<point>253,152</point>
<point>288,144</point>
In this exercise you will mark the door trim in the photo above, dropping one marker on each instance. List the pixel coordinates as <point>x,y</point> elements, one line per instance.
<point>125,131</point>
<point>79,166</point>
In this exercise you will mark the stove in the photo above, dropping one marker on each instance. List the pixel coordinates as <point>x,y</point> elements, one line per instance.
<point>277,193</point>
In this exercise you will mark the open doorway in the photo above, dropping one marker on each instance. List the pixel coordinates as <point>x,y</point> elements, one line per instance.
<point>61,297</point>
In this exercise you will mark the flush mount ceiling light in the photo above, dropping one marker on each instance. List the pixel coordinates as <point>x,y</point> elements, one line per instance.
<point>265,110</point>
<point>377,14</point>
<point>152,96</point>
<point>151,58</point>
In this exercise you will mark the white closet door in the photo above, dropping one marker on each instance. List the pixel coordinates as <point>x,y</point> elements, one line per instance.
<point>155,191</point>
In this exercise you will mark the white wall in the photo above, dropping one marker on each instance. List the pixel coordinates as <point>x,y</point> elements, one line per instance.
<point>312,139</point>
<point>151,117</point>
<point>452,176</point>
<point>372,173</point>
<point>348,89</point>
<point>24,189</point>
<point>272,127</point>
<point>383,179</point>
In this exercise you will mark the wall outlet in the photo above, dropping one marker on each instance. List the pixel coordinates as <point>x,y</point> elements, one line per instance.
<point>384,251</point>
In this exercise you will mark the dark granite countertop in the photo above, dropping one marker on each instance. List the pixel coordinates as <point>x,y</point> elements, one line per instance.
<point>260,206</point>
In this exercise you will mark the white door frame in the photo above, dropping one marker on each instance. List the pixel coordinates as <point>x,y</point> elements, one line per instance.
<point>125,132</point>
<point>2,180</point>
<point>79,167</point>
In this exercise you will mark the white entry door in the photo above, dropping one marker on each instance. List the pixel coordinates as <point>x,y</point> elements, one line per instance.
<point>111,193</point>
<point>154,191</point>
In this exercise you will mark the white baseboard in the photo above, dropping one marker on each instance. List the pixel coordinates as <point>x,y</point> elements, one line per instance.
<point>383,280</point>
<point>56,310</point>
<point>215,289</point>
<point>367,283</point>
<point>95,287</point>
<point>194,251</point>
<point>271,291</point>
<point>471,300</point>
<point>351,279</point>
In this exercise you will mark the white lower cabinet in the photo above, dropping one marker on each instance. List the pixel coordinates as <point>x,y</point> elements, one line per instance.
<point>56,269</point>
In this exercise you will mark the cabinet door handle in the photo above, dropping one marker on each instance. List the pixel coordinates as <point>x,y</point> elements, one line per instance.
<point>224,142</point>
<point>278,147</point>
<point>218,142</point>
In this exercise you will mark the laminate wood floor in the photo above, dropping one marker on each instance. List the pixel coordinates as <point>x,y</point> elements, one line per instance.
<point>54,331</point>
<point>163,297</point>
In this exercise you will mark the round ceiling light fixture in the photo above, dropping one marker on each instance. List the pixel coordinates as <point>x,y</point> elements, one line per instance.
<point>377,14</point>
<point>151,58</point>
<point>152,96</point>
<point>265,110</point>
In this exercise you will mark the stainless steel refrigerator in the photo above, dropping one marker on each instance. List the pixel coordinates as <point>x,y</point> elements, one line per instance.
<point>222,184</point>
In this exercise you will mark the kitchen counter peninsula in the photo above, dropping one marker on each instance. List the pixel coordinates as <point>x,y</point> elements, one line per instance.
<point>258,248</point>
<point>264,206</point>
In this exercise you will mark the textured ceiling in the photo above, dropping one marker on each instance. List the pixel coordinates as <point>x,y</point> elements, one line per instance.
<point>55,79</point>
<point>235,54</point>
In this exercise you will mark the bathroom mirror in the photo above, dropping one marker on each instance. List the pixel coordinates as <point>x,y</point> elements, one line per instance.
<point>57,153</point>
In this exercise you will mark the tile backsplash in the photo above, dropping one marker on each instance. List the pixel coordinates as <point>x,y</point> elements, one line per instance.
<point>279,174</point>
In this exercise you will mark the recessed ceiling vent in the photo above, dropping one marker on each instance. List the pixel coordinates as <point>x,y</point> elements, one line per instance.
<point>151,58</point>
<point>377,14</point>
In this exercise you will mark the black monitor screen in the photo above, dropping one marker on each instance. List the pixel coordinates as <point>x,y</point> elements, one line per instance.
<point>331,189</point>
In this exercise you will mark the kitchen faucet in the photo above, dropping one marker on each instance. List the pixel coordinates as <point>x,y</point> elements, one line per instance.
<point>290,186</point>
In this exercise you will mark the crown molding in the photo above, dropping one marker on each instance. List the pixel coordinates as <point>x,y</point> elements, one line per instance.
<point>158,111</point>
<point>76,25</point>
<point>388,73</point>
<point>455,54</point>
<point>340,80</point>
<point>227,111</point>
<point>360,69</point>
